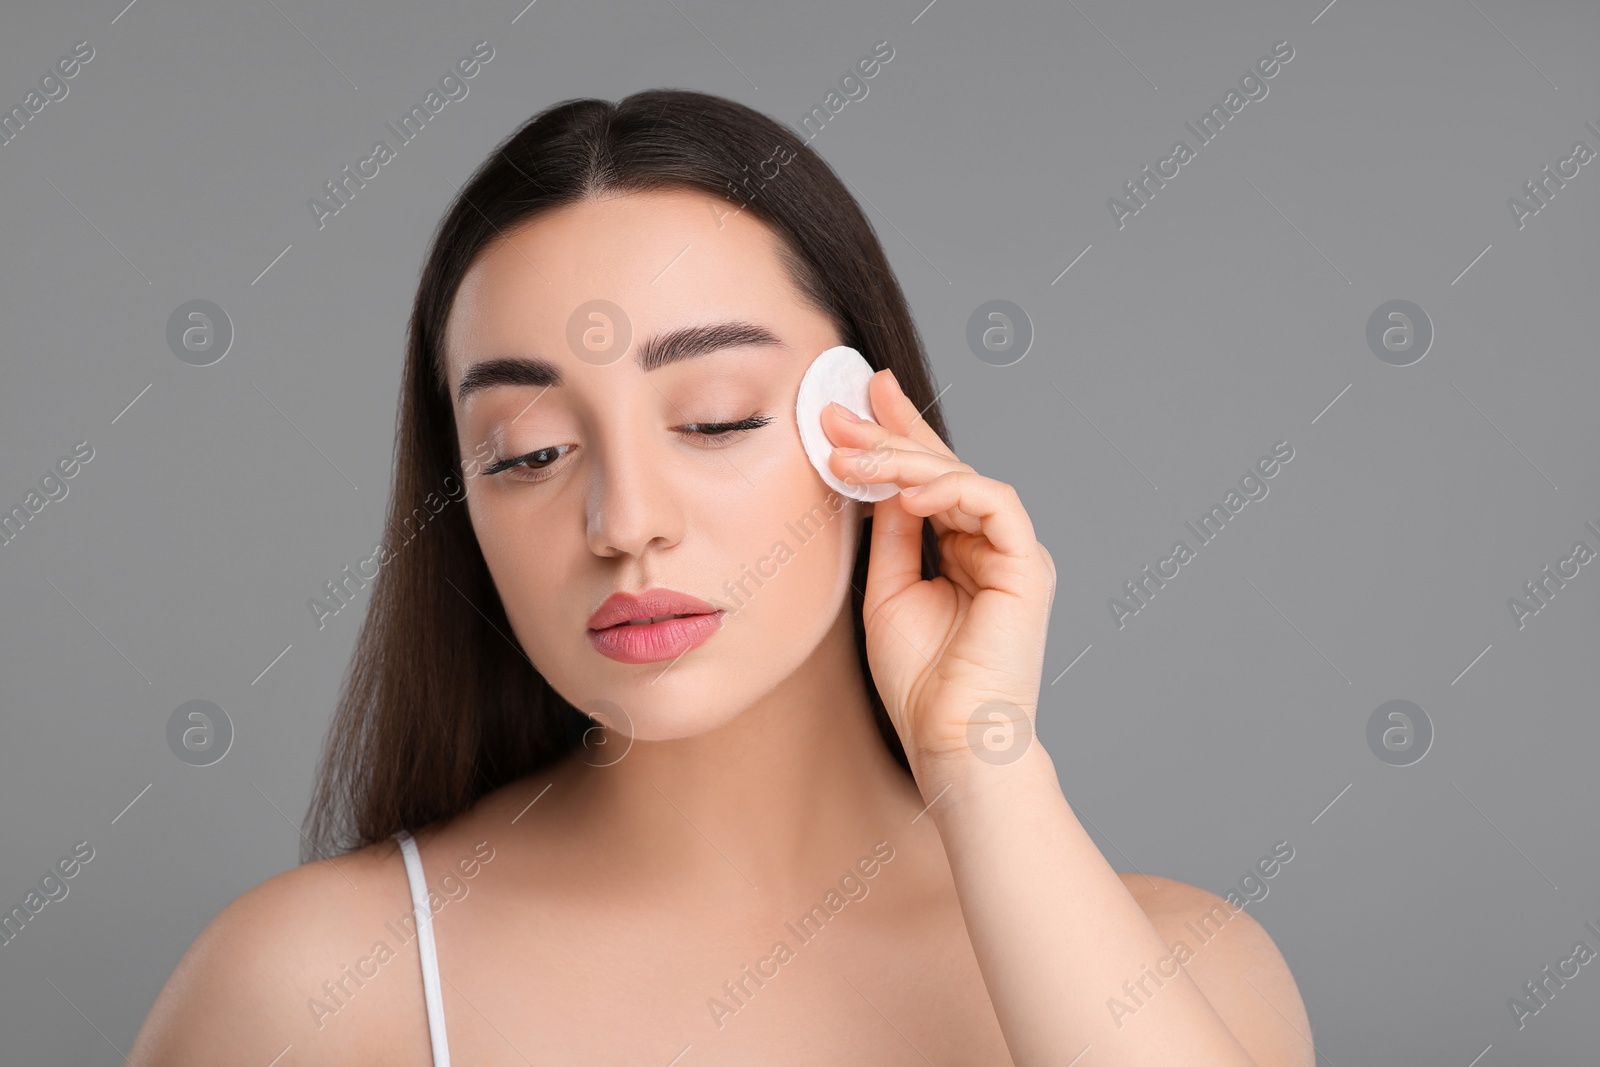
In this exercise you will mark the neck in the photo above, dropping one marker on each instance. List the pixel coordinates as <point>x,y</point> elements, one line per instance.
<point>796,785</point>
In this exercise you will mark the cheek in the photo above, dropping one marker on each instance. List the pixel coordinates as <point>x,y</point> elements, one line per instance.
<point>520,551</point>
<point>787,547</point>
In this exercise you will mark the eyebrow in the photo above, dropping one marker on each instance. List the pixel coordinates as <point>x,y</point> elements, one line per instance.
<point>686,342</point>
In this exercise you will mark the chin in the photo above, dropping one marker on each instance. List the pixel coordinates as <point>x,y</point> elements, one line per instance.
<point>670,715</point>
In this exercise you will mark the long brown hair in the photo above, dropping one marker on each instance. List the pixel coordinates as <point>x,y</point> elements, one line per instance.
<point>439,706</point>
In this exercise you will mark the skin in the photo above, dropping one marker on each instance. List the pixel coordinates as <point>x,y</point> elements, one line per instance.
<point>741,783</point>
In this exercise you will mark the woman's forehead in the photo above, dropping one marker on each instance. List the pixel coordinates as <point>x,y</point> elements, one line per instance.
<point>635,262</point>
<point>640,240</point>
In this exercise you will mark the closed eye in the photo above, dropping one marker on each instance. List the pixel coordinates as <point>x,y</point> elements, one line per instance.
<point>727,431</point>
<point>714,434</point>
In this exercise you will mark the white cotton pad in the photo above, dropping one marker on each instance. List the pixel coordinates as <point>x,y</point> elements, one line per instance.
<point>839,375</point>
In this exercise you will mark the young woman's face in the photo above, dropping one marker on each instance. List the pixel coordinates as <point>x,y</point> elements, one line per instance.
<point>629,487</point>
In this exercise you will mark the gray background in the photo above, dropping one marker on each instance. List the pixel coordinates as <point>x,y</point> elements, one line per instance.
<point>1229,714</point>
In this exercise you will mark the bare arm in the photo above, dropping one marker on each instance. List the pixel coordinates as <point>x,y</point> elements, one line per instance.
<point>247,991</point>
<point>1060,940</point>
<point>1055,931</point>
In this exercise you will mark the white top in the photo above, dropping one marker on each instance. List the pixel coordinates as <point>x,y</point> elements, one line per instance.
<point>430,958</point>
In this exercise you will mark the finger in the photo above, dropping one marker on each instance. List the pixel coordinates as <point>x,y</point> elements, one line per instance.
<point>896,552</point>
<point>847,430</point>
<point>954,549</point>
<point>975,504</point>
<point>844,427</point>
<point>885,463</point>
<point>897,413</point>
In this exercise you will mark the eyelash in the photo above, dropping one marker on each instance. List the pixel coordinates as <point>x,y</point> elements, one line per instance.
<point>721,433</point>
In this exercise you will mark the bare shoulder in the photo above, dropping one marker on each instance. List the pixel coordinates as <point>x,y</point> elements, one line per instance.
<point>1235,963</point>
<point>303,961</point>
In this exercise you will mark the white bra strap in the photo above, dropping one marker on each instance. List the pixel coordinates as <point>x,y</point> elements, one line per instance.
<point>425,947</point>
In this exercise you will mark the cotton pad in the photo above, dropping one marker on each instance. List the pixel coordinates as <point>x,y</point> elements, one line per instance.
<point>839,375</point>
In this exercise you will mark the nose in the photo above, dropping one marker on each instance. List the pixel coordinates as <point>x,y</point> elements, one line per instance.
<point>632,506</point>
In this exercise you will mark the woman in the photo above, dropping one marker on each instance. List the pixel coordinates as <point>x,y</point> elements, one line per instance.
<point>806,822</point>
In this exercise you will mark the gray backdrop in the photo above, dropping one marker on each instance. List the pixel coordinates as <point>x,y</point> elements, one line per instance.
<point>1244,704</point>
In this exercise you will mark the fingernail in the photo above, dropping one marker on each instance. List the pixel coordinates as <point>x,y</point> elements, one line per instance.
<point>912,490</point>
<point>846,412</point>
<point>850,451</point>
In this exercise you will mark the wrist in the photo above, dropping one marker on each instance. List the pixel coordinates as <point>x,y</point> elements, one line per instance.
<point>964,775</point>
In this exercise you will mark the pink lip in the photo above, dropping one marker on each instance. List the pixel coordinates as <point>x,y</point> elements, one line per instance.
<point>612,636</point>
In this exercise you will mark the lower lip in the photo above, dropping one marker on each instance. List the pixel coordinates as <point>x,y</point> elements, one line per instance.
<point>655,641</point>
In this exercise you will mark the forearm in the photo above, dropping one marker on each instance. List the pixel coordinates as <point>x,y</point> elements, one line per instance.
<point>1055,932</point>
